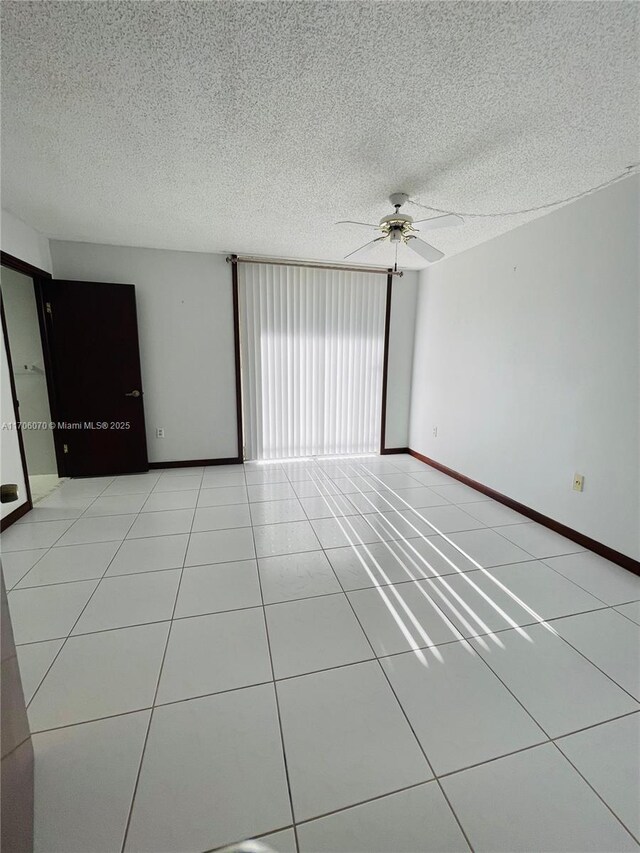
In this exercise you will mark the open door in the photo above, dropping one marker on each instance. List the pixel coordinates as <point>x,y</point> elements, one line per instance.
<point>90,333</point>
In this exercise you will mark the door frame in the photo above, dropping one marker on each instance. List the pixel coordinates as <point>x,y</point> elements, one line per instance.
<point>36,275</point>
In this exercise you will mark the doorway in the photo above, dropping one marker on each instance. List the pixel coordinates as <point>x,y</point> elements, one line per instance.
<point>30,381</point>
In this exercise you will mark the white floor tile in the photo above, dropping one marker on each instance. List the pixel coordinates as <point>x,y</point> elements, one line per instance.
<point>396,525</point>
<point>607,756</point>
<point>188,470</point>
<point>379,501</point>
<point>631,611</point>
<point>291,576</point>
<point>86,486</point>
<point>287,538</point>
<point>71,563</point>
<point>84,782</point>
<point>34,660</point>
<point>311,489</point>
<point>543,805</point>
<point>115,505</point>
<point>222,586</point>
<point>176,484</point>
<point>457,493</point>
<point>221,517</point>
<point>106,528</point>
<point>158,501</point>
<point>220,546</point>
<point>346,739</point>
<point>399,481</point>
<point>222,496</point>
<point>420,496</point>
<point>274,512</point>
<point>281,842</point>
<point>489,548</point>
<point>265,475</point>
<point>161,523</point>
<point>352,484</point>
<point>213,772</point>
<point>59,500</point>
<point>445,519</point>
<point>149,555</point>
<point>130,600</point>
<point>16,564</point>
<point>436,556</point>
<point>28,537</point>
<point>49,513</point>
<point>560,689</point>
<point>135,484</point>
<point>209,654</point>
<point>454,731</point>
<point>494,514</point>
<point>313,634</point>
<point>402,617</point>
<point>213,480</point>
<point>601,578</point>
<point>609,641</point>
<point>47,612</point>
<point>418,819</point>
<point>506,596</point>
<point>431,477</point>
<point>100,675</point>
<point>270,492</point>
<point>379,563</point>
<point>538,540</point>
<point>339,532</point>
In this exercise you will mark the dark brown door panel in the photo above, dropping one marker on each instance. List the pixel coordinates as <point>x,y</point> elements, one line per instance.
<point>92,334</point>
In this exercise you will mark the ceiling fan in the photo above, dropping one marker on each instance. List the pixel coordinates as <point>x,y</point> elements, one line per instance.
<point>398,228</point>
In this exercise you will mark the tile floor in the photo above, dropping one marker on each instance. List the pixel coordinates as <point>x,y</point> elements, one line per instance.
<point>338,655</point>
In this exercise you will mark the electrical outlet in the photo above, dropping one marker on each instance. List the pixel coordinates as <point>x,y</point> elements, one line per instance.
<point>435,432</point>
<point>159,433</point>
<point>578,482</point>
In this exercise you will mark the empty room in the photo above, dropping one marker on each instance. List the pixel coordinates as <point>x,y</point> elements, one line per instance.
<point>320,445</point>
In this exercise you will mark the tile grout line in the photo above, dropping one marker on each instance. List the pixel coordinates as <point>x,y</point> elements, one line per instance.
<point>599,796</point>
<point>155,695</point>
<point>67,638</point>
<point>545,622</point>
<point>344,592</point>
<point>549,738</point>
<point>536,722</point>
<point>275,693</point>
<point>404,714</point>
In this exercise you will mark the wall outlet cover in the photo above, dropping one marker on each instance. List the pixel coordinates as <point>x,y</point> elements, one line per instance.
<point>578,482</point>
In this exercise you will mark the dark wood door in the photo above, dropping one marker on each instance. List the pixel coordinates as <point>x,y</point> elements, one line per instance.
<point>91,333</point>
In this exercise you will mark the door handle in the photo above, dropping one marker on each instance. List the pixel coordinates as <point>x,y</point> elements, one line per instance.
<point>134,393</point>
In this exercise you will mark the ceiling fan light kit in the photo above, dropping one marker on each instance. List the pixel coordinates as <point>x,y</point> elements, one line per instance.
<point>398,228</point>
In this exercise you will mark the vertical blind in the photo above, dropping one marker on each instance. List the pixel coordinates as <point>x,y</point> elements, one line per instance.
<point>312,349</point>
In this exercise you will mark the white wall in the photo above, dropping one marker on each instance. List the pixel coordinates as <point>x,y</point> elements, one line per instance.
<point>31,385</point>
<point>23,242</point>
<point>404,294</point>
<point>185,320</point>
<point>527,361</point>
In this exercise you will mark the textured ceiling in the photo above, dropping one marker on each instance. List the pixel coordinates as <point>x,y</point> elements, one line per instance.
<point>252,127</point>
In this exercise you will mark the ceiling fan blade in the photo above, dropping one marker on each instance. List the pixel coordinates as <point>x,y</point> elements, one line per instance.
<point>351,222</point>
<point>370,243</point>
<point>440,222</point>
<point>426,250</point>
